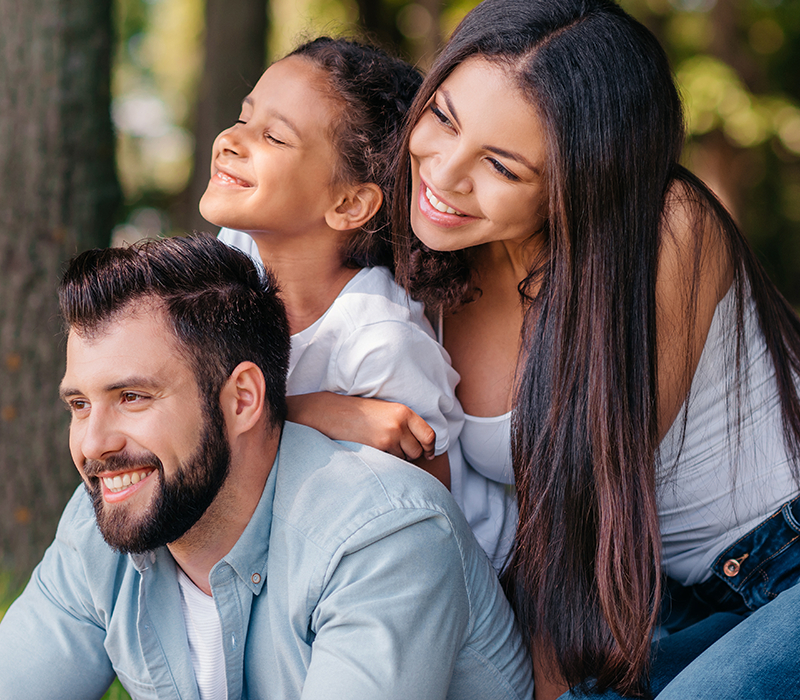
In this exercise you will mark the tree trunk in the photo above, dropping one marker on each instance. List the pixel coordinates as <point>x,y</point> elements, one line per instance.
<point>235,56</point>
<point>58,195</point>
<point>409,29</point>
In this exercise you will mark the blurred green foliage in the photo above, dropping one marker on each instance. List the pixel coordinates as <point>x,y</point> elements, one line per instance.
<point>737,63</point>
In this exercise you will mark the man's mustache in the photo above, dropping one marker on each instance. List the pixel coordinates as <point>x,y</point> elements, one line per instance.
<point>121,462</point>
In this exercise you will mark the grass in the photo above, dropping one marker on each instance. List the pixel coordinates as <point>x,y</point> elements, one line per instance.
<point>115,692</point>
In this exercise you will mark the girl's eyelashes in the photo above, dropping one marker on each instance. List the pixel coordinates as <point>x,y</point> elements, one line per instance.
<point>267,135</point>
<point>270,137</point>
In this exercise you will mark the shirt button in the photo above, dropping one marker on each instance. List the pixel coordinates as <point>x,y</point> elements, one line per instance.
<point>256,578</point>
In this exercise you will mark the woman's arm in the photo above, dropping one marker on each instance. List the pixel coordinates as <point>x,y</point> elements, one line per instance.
<point>694,273</point>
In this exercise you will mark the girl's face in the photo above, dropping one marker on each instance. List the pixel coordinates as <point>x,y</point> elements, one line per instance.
<point>477,162</point>
<point>272,170</point>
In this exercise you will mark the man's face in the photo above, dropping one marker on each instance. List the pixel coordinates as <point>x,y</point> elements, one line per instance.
<point>150,456</point>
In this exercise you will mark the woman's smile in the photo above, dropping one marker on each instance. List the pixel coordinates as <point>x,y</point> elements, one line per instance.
<point>477,174</point>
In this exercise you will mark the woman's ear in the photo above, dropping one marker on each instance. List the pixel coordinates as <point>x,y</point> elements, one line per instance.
<point>355,207</point>
<point>242,398</point>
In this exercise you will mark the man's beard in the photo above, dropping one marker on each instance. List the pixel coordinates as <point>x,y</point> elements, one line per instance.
<point>180,500</point>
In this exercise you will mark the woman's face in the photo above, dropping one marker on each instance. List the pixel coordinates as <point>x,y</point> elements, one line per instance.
<point>477,162</point>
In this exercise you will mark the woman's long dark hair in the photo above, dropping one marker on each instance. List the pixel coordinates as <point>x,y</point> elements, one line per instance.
<point>585,573</point>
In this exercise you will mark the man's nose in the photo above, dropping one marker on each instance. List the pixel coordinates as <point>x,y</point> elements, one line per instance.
<point>99,436</point>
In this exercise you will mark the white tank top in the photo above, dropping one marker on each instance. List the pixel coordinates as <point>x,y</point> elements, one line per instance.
<point>724,482</point>
<point>486,445</point>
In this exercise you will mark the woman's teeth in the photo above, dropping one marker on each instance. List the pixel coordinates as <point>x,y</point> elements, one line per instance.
<point>440,206</point>
<point>117,483</point>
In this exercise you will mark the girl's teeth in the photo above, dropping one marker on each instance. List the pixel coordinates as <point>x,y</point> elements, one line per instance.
<point>232,180</point>
<point>440,206</point>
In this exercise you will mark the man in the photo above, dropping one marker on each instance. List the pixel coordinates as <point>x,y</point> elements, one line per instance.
<point>244,557</point>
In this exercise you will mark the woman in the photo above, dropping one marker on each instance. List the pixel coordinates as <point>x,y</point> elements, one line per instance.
<point>599,300</point>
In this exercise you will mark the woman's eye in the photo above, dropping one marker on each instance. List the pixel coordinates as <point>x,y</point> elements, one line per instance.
<point>500,168</point>
<point>241,121</point>
<point>440,115</point>
<point>271,138</point>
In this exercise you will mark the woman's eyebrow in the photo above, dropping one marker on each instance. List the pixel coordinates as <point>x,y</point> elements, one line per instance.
<point>513,155</point>
<point>519,158</point>
<point>450,106</point>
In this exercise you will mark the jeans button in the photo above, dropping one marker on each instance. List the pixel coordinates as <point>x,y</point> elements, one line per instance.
<point>731,567</point>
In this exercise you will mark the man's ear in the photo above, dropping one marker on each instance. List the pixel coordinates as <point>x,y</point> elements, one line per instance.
<point>355,207</point>
<point>242,398</point>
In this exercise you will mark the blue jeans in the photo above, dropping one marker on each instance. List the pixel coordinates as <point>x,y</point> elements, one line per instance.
<point>761,656</point>
<point>758,660</point>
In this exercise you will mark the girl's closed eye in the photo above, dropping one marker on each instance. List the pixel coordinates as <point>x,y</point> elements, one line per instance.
<point>270,137</point>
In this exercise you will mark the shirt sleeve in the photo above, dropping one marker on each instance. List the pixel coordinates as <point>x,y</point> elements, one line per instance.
<point>243,242</point>
<point>392,616</point>
<point>397,361</point>
<point>51,640</point>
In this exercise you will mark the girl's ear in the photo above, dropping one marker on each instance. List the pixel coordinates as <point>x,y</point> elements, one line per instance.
<point>355,207</point>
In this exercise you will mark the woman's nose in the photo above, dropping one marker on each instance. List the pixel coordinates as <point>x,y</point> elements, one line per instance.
<point>450,171</point>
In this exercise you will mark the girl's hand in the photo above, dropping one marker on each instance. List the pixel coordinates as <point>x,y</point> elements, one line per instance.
<point>386,426</point>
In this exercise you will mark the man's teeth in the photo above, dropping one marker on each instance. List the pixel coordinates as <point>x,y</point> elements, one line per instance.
<point>440,206</point>
<point>117,483</point>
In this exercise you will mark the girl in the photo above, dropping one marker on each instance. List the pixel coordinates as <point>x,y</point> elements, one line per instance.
<point>305,172</point>
<point>606,315</point>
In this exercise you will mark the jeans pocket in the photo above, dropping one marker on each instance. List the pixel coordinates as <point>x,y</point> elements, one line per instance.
<point>766,560</point>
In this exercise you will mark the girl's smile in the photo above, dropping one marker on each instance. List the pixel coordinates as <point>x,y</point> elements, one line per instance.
<point>271,171</point>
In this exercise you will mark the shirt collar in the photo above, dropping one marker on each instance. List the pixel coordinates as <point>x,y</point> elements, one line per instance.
<point>248,557</point>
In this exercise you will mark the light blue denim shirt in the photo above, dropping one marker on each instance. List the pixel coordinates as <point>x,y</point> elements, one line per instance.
<point>357,577</point>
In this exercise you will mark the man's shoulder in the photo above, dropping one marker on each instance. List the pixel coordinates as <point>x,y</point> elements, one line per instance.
<point>327,488</point>
<point>78,533</point>
<point>78,525</point>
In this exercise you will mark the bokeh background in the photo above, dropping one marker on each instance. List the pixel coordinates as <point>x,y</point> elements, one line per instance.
<point>107,115</point>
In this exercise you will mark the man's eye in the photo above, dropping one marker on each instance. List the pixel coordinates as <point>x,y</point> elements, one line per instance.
<point>74,405</point>
<point>130,397</point>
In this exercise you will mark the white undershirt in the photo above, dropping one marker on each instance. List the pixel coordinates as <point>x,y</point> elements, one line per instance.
<point>205,639</point>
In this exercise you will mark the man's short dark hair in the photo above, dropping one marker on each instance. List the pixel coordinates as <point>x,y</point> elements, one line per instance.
<point>223,309</point>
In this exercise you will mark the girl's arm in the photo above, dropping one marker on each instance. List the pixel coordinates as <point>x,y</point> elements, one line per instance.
<point>385,425</point>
